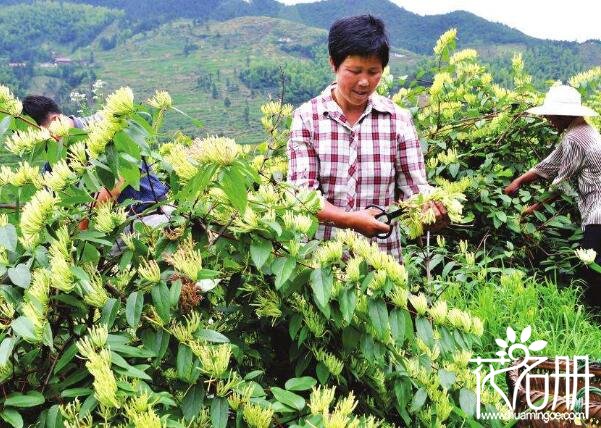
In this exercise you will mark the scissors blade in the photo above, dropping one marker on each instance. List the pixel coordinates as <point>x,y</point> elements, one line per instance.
<point>395,213</point>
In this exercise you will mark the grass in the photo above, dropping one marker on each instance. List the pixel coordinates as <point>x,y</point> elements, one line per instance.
<point>554,313</point>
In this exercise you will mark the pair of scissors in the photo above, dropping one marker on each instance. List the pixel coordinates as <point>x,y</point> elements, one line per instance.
<point>386,217</point>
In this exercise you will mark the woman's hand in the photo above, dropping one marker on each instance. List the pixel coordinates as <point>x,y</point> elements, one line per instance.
<point>530,209</point>
<point>441,217</point>
<point>512,188</point>
<point>365,222</point>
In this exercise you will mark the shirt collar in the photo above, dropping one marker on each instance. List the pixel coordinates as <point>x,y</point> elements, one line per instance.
<point>330,106</point>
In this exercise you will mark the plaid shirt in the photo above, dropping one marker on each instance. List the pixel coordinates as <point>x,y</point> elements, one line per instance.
<point>376,161</point>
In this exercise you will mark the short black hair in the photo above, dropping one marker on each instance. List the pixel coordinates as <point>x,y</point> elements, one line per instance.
<point>362,35</point>
<point>38,107</point>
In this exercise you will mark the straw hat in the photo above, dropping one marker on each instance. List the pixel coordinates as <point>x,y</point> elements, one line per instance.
<point>562,100</point>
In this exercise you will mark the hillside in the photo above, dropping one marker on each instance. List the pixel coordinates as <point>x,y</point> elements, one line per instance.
<point>205,68</point>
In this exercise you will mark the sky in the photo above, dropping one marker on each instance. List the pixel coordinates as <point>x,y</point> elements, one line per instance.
<point>577,20</point>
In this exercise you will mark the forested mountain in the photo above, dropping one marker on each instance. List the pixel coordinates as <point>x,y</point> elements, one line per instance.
<point>546,59</point>
<point>24,29</point>
<point>113,39</point>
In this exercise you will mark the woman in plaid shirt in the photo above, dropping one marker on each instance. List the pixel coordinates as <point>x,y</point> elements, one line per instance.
<point>357,147</point>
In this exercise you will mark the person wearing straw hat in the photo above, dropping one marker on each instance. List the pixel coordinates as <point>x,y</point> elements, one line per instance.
<point>578,157</point>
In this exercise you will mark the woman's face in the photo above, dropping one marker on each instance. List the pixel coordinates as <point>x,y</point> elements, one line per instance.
<point>560,122</point>
<point>357,78</point>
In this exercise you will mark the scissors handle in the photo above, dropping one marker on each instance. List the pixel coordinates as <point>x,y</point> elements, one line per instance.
<point>386,219</point>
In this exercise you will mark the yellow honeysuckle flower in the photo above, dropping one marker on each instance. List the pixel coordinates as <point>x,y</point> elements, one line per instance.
<point>257,416</point>
<point>26,141</point>
<point>161,100</point>
<point>119,103</point>
<point>149,270</point>
<point>320,399</point>
<point>218,150</point>
<point>445,40</point>
<point>9,103</point>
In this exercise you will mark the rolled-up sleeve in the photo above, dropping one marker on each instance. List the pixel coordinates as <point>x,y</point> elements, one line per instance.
<point>563,163</point>
<point>410,169</point>
<point>303,162</point>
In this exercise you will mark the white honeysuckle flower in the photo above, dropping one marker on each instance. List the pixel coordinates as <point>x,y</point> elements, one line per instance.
<point>206,285</point>
<point>586,256</point>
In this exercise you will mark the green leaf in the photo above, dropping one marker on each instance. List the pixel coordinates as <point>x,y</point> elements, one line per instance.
<point>186,364</point>
<point>76,392</point>
<point>402,391</point>
<point>8,237</point>
<point>467,401</point>
<point>106,176</point>
<point>54,419</point>
<point>300,383</point>
<point>129,169</point>
<point>24,328</point>
<point>351,338</point>
<point>161,301</point>
<point>4,125</point>
<point>419,400</point>
<point>282,408</point>
<point>29,399</point>
<point>424,331</point>
<point>156,341</point>
<point>234,186</point>
<point>447,343</point>
<point>254,374</point>
<point>20,275</point>
<point>88,405</point>
<point>133,308</point>
<point>6,349</point>
<point>138,135</point>
<point>197,184</point>
<point>66,358</point>
<point>288,398</point>
<point>501,216</point>
<point>175,292</point>
<point>109,312</point>
<point>322,373</point>
<point>397,326</point>
<point>447,378</point>
<point>125,144</point>
<point>93,236</point>
<point>295,325</point>
<point>378,314</point>
<point>90,254</point>
<point>348,303</point>
<point>219,410</point>
<point>211,336</point>
<point>260,249</point>
<point>192,402</point>
<point>12,417</point>
<point>283,268</point>
<point>130,370</point>
<point>321,284</point>
<point>131,351</point>
<point>74,196</point>
<point>453,169</point>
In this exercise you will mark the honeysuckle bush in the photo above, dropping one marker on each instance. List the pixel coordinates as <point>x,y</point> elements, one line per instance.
<point>230,314</point>
<point>475,130</point>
